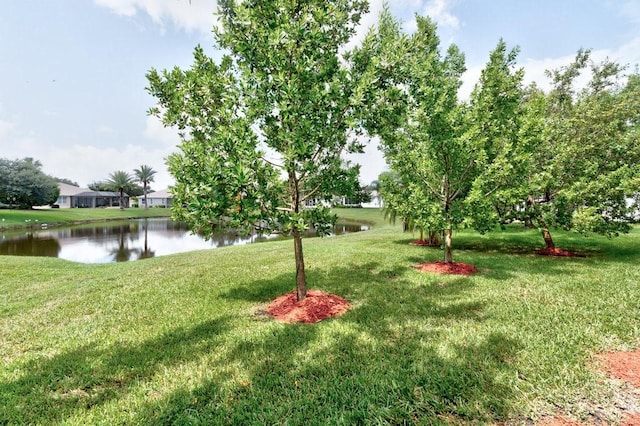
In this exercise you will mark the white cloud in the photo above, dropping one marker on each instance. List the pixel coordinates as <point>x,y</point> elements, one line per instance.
<point>84,163</point>
<point>189,15</point>
<point>87,163</point>
<point>438,10</point>
<point>372,162</point>
<point>154,130</point>
<point>627,54</point>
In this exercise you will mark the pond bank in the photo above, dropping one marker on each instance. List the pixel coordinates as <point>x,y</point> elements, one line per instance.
<point>49,218</point>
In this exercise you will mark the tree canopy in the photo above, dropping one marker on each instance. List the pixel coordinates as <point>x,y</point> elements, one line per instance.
<point>23,183</point>
<point>145,175</point>
<point>447,155</point>
<point>585,168</point>
<point>121,182</point>
<point>264,129</point>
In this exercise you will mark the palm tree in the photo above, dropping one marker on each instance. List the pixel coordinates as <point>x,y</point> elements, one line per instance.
<point>120,181</point>
<point>145,175</point>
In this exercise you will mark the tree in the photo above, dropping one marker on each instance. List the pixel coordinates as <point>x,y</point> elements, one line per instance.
<point>280,103</point>
<point>145,175</point>
<point>120,181</point>
<point>133,189</point>
<point>586,166</point>
<point>401,203</point>
<point>67,181</point>
<point>23,183</point>
<point>99,186</point>
<point>502,118</point>
<point>443,151</point>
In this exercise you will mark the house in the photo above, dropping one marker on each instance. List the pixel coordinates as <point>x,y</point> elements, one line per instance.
<point>73,196</point>
<point>157,199</point>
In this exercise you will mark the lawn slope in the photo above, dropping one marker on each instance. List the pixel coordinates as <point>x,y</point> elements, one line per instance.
<point>184,338</point>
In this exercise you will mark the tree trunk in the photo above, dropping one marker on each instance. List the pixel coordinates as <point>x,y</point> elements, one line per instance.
<point>547,238</point>
<point>121,199</point>
<point>448,258</point>
<point>146,205</point>
<point>434,238</point>
<point>301,281</point>
<point>528,222</point>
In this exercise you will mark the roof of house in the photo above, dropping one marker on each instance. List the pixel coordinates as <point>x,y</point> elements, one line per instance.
<point>67,190</point>
<point>90,193</point>
<point>160,194</point>
<point>70,190</point>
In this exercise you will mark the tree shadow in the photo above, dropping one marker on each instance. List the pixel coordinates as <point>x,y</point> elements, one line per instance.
<point>377,291</point>
<point>56,387</point>
<point>318,375</point>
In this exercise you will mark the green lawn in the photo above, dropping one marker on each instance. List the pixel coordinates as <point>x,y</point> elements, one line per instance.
<point>182,339</point>
<point>53,217</point>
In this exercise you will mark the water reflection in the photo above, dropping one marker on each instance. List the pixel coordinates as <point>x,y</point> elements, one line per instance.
<point>30,245</point>
<point>122,241</point>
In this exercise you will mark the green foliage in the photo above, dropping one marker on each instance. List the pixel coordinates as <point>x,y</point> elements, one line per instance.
<point>121,182</point>
<point>145,174</point>
<point>281,103</point>
<point>24,184</point>
<point>447,156</point>
<point>585,168</point>
<point>67,181</point>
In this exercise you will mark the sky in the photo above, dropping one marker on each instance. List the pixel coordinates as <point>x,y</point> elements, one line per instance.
<point>73,72</point>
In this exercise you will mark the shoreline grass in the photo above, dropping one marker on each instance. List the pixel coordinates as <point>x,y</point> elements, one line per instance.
<point>18,219</point>
<point>182,338</point>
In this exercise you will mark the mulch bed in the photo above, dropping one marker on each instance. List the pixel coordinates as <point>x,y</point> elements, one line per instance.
<point>423,243</point>
<point>457,268</point>
<point>621,365</point>
<point>558,252</point>
<point>314,308</point>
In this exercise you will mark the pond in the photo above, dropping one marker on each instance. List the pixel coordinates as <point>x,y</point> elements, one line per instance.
<point>123,241</point>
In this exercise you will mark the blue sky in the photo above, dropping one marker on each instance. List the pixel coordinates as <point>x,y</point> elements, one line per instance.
<point>72,73</point>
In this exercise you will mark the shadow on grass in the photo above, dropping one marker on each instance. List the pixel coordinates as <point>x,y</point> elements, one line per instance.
<point>355,375</point>
<point>55,388</point>
<point>378,292</point>
<point>517,240</point>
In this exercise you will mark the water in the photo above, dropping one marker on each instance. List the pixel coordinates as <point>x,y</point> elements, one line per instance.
<point>122,241</point>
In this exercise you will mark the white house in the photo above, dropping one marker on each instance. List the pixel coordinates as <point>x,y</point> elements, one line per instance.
<point>74,196</point>
<point>157,199</point>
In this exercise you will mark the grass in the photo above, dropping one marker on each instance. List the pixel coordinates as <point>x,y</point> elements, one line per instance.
<point>182,339</point>
<point>54,217</point>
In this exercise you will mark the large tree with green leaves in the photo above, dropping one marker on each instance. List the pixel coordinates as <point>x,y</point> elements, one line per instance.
<point>280,104</point>
<point>422,136</point>
<point>121,182</point>
<point>588,163</point>
<point>443,151</point>
<point>145,175</point>
<point>23,183</point>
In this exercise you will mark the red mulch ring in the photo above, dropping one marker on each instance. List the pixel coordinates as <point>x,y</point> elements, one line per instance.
<point>314,308</point>
<point>558,252</point>
<point>423,243</point>
<point>622,365</point>
<point>457,268</point>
